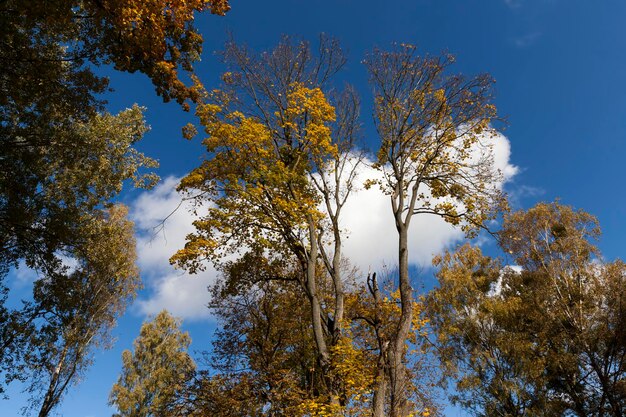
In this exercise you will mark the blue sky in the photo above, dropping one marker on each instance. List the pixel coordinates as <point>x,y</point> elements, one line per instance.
<point>560,68</point>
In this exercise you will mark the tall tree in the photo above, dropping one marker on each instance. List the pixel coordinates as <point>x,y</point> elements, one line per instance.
<point>264,359</point>
<point>155,373</point>
<point>64,219</point>
<point>273,137</point>
<point>49,92</point>
<point>546,339</point>
<point>74,310</point>
<point>435,158</point>
<point>265,344</point>
<point>63,160</point>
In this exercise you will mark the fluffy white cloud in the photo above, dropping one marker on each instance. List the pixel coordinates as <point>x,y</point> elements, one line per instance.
<point>372,235</point>
<point>372,238</point>
<point>502,157</point>
<point>181,294</point>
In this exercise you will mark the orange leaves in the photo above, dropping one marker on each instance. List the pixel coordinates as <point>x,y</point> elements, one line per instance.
<point>156,37</point>
<point>219,7</point>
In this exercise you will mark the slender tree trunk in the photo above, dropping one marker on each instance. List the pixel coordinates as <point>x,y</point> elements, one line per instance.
<point>380,390</point>
<point>316,311</point>
<point>50,399</point>
<point>397,374</point>
<point>338,283</point>
<point>311,285</point>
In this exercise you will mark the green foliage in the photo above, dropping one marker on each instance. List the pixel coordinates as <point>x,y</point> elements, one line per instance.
<point>155,373</point>
<point>74,309</point>
<point>62,161</point>
<point>55,207</point>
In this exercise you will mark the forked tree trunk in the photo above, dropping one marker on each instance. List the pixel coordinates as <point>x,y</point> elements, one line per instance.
<point>311,284</point>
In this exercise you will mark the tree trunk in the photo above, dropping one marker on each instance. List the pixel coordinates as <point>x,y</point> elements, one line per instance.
<point>311,285</point>
<point>50,399</point>
<point>338,283</point>
<point>397,372</point>
<point>380,390</point>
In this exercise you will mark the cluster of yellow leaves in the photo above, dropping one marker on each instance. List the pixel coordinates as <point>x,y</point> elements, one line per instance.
<point>317,408</point>
<point>257,178</point>
<point>316,135</point>
<point>160,15</point>
<point>355,370</point>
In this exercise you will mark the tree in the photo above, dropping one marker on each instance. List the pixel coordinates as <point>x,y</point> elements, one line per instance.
<point>50,91</point>
<point>264,348</point>
<point>264,358</point>
<point>435,159</point>
<point>545,339</point>
<point>50,94</point>
<point>374,310</point>
<point>52,41</point>
<point>74,310</point>
<point>156,372</point>
<point>277,151</point>
<point>62,159</point>
<point>63,219</point>
<point>48,195</point>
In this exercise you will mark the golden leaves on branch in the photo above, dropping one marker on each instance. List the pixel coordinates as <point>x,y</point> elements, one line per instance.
<point>257,179</point>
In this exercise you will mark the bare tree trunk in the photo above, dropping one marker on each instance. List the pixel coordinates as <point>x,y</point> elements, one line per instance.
<point>380,390</point>
<point>397,371</point>
<point>51,397</point>
<point>338,282</point>
<point>380,382</point>
<point>316,312</point>
<point>311,286</point>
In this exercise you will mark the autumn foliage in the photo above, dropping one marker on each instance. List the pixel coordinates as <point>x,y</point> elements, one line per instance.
<point>302,331</point>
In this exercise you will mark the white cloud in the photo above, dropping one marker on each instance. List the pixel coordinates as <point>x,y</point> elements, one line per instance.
<point>181,294</point>
<point>372,238</point>
<point>502,157</point>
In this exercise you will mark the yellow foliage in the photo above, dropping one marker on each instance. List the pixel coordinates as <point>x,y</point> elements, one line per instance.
<point>257,178</point>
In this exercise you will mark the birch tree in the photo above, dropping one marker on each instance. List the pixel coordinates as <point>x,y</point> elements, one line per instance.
<point>156,372</point>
